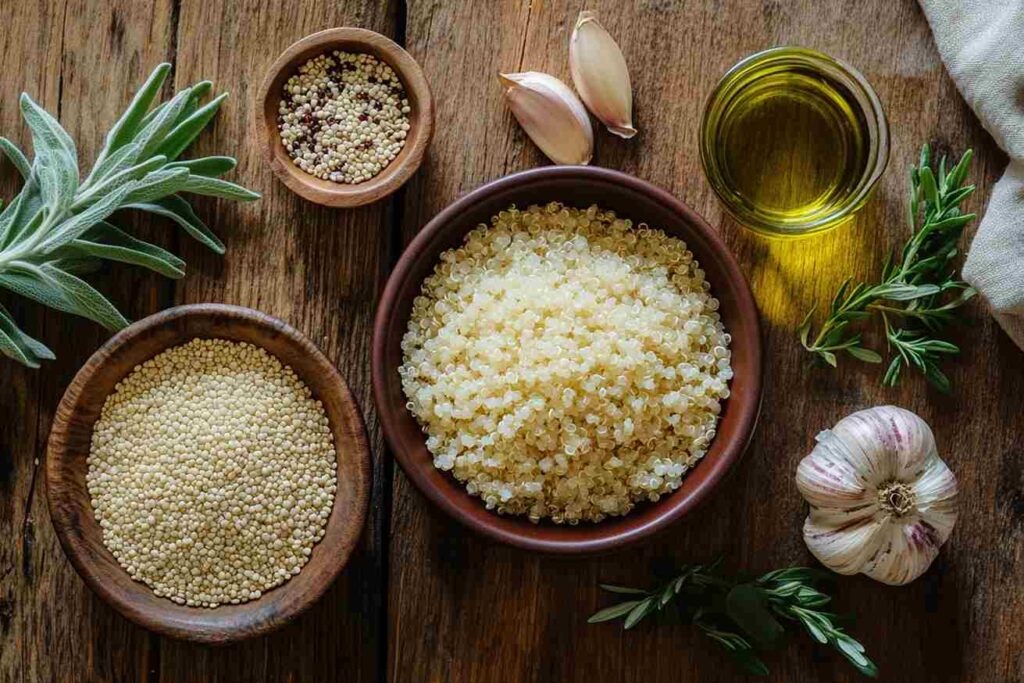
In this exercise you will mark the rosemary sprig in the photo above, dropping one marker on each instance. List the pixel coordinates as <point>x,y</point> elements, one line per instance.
<point>743,617</point>
<point>918,291</point>
<point>57,227</point>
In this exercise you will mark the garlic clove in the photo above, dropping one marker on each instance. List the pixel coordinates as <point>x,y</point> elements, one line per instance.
<point>551,115</point>
<point>836,477</point>
<point>600,75</point>
<point>844,549</point>
<point>904,554</point>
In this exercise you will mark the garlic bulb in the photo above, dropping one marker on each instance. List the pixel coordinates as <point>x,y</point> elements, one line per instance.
<point>882,501</point>
<point>600,75</point>
<point>551,115</point>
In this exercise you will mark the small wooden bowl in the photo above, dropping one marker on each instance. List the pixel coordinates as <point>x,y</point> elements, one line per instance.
<point>630,198</point>
<point>71,508</point>
<point>421,117</point>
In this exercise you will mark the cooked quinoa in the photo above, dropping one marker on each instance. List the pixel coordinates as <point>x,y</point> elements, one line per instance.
<point>212,473</point>
<point>566,364</point>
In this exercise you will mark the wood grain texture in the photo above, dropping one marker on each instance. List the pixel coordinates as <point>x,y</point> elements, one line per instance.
<point>423,600</point>
<point>317,269</point>
<point>500,614</point>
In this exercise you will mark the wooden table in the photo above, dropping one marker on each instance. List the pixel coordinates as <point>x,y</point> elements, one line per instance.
<point>424,600</point>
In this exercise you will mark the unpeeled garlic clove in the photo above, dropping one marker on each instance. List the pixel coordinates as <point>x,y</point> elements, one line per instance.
<point>551,115</point>
<point>600,75</point>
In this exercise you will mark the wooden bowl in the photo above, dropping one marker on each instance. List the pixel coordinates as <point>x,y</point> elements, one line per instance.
<point>71,509</point>
<point>631,198</point>
<point>421,117</point>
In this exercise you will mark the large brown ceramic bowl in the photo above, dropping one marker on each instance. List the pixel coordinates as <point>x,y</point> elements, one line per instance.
<point>631,198</point>
<point>71,509</point>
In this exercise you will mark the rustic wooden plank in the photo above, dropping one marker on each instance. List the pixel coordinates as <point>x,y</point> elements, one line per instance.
<point>82,60</point>
<point>31,29</point>
<point>463,609</point>
<point>319,269</point>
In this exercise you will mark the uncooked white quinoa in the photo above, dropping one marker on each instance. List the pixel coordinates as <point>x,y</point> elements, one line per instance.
<point>343,117</point>
<point>212,473</point>
<point>566,364</point>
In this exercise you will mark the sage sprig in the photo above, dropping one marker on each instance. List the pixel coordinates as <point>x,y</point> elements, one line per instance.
<point>918,290</point>
<point>744,618</point>
<point>58,226</point>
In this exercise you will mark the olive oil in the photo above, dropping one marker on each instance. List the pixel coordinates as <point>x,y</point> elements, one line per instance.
<point>791,143</point>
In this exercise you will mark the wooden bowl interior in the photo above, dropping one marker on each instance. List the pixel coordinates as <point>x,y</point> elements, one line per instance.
<point>421,117</point>
<point>629,198</point>
<point>71,509</point>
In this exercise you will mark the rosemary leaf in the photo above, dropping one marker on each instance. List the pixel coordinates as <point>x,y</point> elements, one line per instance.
<point>912,297</point>
<point>743,617</point>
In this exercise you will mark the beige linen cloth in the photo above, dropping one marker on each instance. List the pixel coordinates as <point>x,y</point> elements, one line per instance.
<point>982,45</point>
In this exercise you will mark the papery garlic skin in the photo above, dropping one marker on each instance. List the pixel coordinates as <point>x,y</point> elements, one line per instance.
<point>551,115</point>
<point>600,75</point>
<point>882,501</point>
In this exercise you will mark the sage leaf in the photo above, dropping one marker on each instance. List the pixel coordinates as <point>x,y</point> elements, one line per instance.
<point>157,184</point>
<point>77,296</point>
<point>128,125</point>
<point>55,229</point>
<point>16,157</point>
<point>57,180</point>
<point>123,158</point>
<point>150,137</point>
<point>206,166</point>
<point>185,132</point>
<point>17,345</point>
<point>180,211</point>
<point>76,225</point>
<point>109,242</point>
<point>121,178</point>
<point>14,218</point>
<point>214,187</point>
<point>47,134</point>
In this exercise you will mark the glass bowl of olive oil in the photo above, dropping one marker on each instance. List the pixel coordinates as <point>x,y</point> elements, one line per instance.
<point>793,141</point>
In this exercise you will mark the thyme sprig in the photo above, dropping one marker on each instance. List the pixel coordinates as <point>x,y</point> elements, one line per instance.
<point>918,290</point>
<point>745,618</point>
<point>57,227</point>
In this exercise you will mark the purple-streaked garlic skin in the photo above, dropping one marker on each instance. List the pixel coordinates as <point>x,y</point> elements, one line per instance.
<point>882,501</point>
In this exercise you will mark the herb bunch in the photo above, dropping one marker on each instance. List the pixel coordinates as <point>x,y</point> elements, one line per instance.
<point>57,227</point>
<point>918,290</point>
<point>745,618</point>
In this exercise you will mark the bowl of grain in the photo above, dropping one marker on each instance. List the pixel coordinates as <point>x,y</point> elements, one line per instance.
<point>344,117</point>
<point>208,473</point>
<point>567,360</point>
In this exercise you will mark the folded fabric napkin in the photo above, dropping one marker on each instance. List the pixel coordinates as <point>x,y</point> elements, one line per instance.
<point>982,45</point>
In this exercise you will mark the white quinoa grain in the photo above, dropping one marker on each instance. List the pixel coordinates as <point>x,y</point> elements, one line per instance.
<point>565,364</point>
<point>343,116</point>
<point>212,473</point>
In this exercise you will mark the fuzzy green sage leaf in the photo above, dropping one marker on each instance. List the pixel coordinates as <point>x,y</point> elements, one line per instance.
<point>58,227</point>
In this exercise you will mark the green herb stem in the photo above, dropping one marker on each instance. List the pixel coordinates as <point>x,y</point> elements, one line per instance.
<point>914,286</point>
<point>745,618</point>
